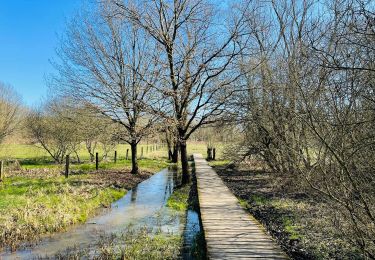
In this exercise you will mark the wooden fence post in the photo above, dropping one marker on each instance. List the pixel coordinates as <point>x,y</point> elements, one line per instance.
<point>2,173</point>
<point>214,154</point>
<point>97,161</point>
<point>141,152</point>
<point>127,154</point>
<point>115,156</point>
<point>67,166</point>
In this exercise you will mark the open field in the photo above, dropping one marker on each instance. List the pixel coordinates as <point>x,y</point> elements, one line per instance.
<point>33,156</point>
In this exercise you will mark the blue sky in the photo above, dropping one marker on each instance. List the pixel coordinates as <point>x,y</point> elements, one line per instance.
<point>29,32</point>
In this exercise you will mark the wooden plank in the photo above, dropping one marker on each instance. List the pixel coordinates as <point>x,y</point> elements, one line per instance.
<point>230,232</point>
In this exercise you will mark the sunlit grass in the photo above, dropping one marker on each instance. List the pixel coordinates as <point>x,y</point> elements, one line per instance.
<point>30,207</point>
<point>218,163</point>
<point>179,199</point>
<point>25,152</point>
<point>28,151</point>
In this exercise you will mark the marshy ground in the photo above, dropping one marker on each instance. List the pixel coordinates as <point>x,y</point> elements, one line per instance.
<point>37,201</point>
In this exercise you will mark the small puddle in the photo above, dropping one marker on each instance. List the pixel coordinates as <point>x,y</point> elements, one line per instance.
<point>143,206</point>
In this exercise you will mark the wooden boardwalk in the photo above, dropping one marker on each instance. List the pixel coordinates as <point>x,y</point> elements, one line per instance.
<point>230,232</point>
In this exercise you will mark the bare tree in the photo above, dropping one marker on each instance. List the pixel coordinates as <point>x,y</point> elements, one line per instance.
<point>52,131</point>
<point>199,51</point>
<point>10,108</point>
<point>108,63</point>
<point>93,129</point>
<point>308,108</point>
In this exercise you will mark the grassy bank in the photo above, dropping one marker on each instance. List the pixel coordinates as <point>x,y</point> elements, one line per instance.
<point>297,221</point>
<point>179,199</point>
<point>139,243</point>
<point>39,201</point>
<point>133,244</point>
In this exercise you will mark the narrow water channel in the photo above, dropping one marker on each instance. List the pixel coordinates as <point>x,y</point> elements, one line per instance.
<point>143,206</point>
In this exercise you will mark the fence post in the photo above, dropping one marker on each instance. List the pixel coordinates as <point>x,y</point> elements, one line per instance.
<point>115,156</point>
<point>127,154</point>
<point>67,166</point>
<point>97,161</point>
<point>2,171</point>
<point>141,152</point>
<point>214,154</point>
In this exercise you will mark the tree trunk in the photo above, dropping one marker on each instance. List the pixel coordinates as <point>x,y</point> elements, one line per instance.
<point>184,162</point>
<point>77,156</point>
<point>133,146</point>
<point>175,153</point>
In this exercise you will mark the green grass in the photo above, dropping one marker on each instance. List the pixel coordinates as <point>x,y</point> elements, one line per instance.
<point>243,203</point>
<point>146,246</point>
<point>179,199</point>
<point>291,228</point>
<point>33,206</point>
<point>147,164</point>
<point>28,152</point>
<point>144,164</point>
<point>132,244</point>
<point>218,163</point>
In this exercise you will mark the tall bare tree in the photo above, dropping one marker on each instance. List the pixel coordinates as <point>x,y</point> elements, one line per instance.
<point>200,45</point>
<point>109,64</point>
<point>10,108</point>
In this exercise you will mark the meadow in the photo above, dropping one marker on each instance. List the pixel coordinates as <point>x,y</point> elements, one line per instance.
<point>30,151</point>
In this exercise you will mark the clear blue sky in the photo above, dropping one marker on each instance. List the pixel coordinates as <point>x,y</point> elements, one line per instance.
<point>29,32</point>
